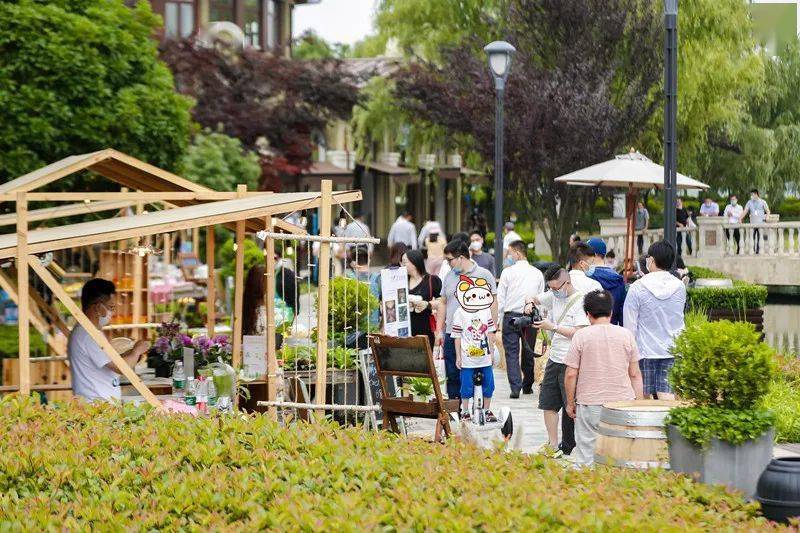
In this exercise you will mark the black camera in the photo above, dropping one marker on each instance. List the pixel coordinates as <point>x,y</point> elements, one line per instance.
<point>526,320</point>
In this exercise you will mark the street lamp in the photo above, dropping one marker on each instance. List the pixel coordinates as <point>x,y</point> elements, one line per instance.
<point>670,119</point>
<point>499,53</point>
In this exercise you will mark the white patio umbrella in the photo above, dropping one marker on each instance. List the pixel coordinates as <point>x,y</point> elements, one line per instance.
<point>632,171</point>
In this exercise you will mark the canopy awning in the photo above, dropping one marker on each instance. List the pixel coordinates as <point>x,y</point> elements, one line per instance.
<point>325,170</point>
<point>401,175</point>
<point>632,170</point>
<point>253,208</point>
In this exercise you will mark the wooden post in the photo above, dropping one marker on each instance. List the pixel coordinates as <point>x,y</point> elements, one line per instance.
<point>138,284</point>
<point>238,290</point>
<point>211,298</point>
<point>23,306</point>
<point>167,249</point>
<point>196,241</point>
<point>324,268</point>
<point>628,267</point>
<point>121,245</point>
<point>269,305</point>
<point>94,333</point>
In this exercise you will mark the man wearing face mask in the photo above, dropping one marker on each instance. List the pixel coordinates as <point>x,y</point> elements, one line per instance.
<point>483,259</point>
<point>519,282</point>
<point>589,257</point>
<point>654,314</point>
<point>577,273</point>
<point>456,256</point>
<point>758,210</point>
<point>733,215</point>
<point>94,375</point>
<point>565,315</point>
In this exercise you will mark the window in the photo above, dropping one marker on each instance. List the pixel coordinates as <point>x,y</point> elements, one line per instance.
<point>253,23</point>
<point>221,10</point>
<point>179,19</point>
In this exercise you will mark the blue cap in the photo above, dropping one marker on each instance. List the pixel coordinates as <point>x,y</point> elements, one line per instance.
<point>597,245</point>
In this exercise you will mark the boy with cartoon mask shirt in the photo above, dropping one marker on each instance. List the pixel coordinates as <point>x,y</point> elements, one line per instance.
<point>473,331</point>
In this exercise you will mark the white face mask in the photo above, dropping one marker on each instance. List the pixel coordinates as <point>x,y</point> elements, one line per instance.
<point>476,246</point>
<point>105,319</point>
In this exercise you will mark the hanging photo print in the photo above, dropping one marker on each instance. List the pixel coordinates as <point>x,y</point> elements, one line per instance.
<point>394,293</point>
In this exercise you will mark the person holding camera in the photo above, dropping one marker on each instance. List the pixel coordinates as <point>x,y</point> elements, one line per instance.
<point>564,307</point>
<point>518,283</point>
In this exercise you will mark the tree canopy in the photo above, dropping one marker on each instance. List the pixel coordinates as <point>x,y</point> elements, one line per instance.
<point>273,105</point>
<point>220,162</point>
<point>82,75</point>
<point>581,88</point>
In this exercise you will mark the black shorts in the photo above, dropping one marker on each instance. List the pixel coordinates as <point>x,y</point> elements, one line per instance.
<point>552,392</point>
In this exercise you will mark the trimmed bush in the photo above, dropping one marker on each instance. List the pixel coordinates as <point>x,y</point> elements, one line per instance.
<point>742,296</point>
<point>721,364</point>
<point>724,370</point>
<point>95,466</point>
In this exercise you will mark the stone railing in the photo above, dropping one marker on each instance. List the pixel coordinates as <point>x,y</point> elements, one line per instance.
<point>616,241</point>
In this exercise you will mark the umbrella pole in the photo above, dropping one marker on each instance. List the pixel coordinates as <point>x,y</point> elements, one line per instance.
<point>630,233</point>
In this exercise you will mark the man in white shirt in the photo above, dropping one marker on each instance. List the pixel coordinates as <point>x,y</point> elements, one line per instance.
<point>758,210</point>
<point>509,236</point>
<point>565,315</point>
<point>403,230</point>
<point>653,312</point>
<point>709,208</point>
<point>733,215</point>
<point>519,283</point>
<point>94,375</point>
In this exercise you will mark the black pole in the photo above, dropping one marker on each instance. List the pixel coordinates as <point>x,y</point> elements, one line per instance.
<point>498,177</point>
<point>670,119</point>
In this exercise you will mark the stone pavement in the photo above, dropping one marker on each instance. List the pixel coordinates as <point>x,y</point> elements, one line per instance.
<point>527,417</point>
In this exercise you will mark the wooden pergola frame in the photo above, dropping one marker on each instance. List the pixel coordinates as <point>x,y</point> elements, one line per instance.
<point>195,206</point>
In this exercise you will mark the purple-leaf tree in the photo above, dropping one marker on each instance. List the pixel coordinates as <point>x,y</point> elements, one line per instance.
<point>583,83</point>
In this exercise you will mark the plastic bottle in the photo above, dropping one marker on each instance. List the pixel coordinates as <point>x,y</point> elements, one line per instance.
<point>190,396</point>
<point>212,393</point>
<point>202,393</point>
<point>178,379</point>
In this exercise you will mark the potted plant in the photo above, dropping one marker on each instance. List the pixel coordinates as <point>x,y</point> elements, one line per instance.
<point>722,369</point>
<point>167,348</point>
<point>421,389</point>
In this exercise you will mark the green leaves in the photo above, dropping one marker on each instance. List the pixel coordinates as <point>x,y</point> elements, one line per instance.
<point>78,465</point>
<point>721,364</point>
<point>79,76</point>
<point>739,298</point>
<point>220,162</point>
<point>350,303</point>
<point>700,424</point>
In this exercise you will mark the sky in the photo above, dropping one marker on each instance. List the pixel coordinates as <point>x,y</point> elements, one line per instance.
<point>336,21</point>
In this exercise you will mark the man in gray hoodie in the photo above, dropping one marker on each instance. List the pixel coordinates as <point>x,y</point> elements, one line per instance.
<point>653,312</point>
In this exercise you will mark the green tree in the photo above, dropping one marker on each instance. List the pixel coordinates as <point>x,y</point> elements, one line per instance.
<point>83,75</point>
<point>309,45</point>
<point>220,162</point>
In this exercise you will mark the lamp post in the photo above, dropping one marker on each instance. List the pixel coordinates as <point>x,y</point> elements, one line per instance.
<point>670,118</point>
<point>499,53</point>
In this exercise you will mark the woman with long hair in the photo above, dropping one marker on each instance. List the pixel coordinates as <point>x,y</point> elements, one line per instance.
<point>423,290</point>
<point>254,317</point>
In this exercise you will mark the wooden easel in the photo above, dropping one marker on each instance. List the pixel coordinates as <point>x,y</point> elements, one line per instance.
<point>410,357</point>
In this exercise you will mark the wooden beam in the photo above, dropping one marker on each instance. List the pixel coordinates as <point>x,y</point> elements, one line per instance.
<point>238,292</point>
<point>23,306</point>
<point>49,213</point>
<point>269,305</point>
<point>138,282</point>
<point>144,230</point>
<point>146,196</point>
<point>196,241</point>
<point>323,268</point>
<point>211,284</point>
<point>94,333</point>
<point>167,249</point>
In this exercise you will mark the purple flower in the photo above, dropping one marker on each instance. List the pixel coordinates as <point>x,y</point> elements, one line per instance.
<point>220,340</point>
<point>202,343</point>
<point>162,345</point>
<point>186,340</point>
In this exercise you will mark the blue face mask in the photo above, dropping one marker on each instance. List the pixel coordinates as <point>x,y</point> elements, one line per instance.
<point>560,293</point>
<point>590,271</point>
<point>509,261</point>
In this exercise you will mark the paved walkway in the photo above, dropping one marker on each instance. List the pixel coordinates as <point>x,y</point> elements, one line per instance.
<point>527,417</point>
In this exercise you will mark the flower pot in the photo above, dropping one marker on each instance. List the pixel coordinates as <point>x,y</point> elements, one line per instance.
<point>778,489</point>
<point>736,466</point>
<point>424,398</point>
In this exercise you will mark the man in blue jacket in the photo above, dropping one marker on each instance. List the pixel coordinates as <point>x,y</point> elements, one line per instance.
<point>590,257</point>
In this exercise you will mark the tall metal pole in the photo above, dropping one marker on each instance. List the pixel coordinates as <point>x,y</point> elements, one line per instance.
<point>670,119</point>
<point>498,176</point>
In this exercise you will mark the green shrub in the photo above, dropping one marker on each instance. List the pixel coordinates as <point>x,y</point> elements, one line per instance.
<point>702,272</point>
<point>81,466</point>
<point>9,342</point>
<point>783,399</point>
<point>740,297</point>
<point>789,208</point>
<point>721,364</point>
<point>348,303</point>
<point>253,255</point>
<point>699,424</point>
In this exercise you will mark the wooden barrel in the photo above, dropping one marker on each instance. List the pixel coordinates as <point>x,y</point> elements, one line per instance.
<point>631,434</point>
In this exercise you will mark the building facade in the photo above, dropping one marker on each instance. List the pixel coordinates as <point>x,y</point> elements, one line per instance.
<point>266,24</point>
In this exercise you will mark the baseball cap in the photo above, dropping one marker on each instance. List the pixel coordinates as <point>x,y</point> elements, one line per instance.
<point>597,245</point>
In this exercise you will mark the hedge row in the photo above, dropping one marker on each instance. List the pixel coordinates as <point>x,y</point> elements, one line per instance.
<point>78,466</point>
<point>742,296</point>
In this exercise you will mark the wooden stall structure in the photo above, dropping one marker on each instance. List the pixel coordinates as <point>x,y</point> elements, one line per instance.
<point>191,207</point>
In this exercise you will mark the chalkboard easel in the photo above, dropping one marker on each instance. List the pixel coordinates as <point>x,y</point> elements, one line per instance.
<point>372,386</point>
<point>409,357</point>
